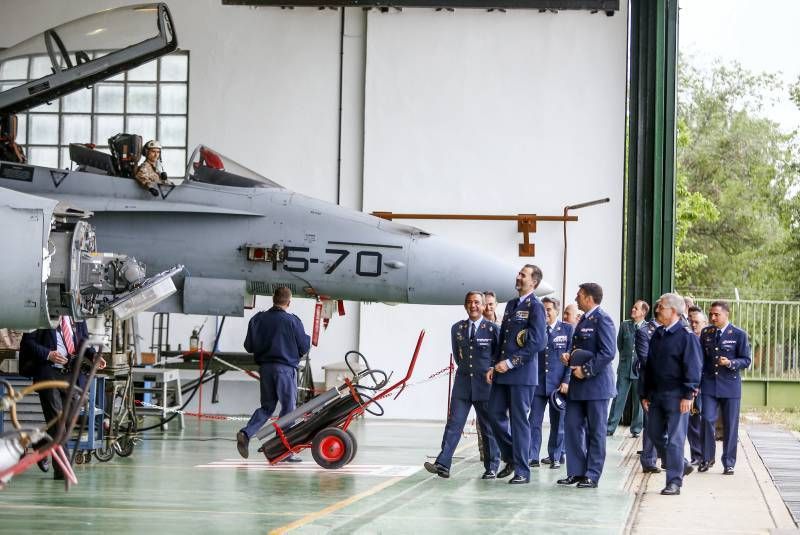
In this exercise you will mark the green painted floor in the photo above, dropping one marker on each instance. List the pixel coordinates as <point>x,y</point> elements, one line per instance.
<point>193,482</point>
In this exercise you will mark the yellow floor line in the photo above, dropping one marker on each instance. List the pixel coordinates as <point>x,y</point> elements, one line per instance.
<point>348,501</point>
<point>336,506</point>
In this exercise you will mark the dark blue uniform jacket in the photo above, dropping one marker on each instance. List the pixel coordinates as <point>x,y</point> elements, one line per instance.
<point>595,333</point>
<point>473,358</point>
<point>673,364</point>
<point>275,336</point>
<point>551,371</point>
<point>528,316</point>
<point>721,381</point>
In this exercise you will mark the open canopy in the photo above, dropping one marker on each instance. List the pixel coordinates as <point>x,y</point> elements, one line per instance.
<point>87,50</point>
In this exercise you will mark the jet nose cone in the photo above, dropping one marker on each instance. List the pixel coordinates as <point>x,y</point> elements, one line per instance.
<point>441,272</point>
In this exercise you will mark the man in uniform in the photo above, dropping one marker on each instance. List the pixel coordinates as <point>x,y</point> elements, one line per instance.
<point>571,314</point>
<point>697,321</point>
<point>648,456</point>
<point>515,374</point>
<point>490,312</point>
<point>277,339</point>
<point>627,373</point>
<point>726,351</point>
<point>590,389</point>
<point>553,375</point>
<point>150,173</point>
<point>45,355</point>
<point>669,384</point>
<point>474,342</point>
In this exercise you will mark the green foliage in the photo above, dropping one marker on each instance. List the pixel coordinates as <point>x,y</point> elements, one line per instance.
<point>737,172</point>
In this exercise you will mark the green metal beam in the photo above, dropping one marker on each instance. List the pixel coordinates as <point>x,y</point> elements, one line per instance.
<point>648,254</point>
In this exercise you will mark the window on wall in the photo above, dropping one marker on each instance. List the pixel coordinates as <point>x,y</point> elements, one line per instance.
<point>151,100</point>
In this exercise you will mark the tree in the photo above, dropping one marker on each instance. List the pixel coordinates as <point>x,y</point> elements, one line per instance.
<point>736,174</point>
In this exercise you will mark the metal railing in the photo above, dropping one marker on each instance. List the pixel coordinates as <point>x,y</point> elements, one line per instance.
<point>774,331</point>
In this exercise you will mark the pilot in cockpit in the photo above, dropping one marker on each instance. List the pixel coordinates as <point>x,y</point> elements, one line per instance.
<point>150,172</point>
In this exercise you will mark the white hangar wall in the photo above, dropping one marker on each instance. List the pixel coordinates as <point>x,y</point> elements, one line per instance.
<point>457,112</point>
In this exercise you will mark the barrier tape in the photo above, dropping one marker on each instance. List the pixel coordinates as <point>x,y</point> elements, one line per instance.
<point>196,414</point>
<point>432,377</point>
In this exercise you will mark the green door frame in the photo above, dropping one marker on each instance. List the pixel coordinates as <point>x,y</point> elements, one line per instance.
<point>649,228</point>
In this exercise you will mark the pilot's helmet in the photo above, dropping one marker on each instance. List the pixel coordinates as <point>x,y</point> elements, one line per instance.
<point>152,144</point>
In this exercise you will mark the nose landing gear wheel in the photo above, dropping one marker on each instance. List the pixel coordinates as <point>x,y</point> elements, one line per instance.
<point>332,448</point>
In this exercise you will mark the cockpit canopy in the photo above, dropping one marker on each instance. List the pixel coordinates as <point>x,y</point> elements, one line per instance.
<point>211,167</point>
<point>79,53</point>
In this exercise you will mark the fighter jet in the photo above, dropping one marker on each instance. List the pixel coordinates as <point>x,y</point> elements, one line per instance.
<point>237,233</point>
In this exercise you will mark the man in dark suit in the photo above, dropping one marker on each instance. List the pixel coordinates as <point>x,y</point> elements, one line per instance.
<point>649,454</point>
<point>669,384</point>
<point>474,342</point>
<point>515,374</point>
<point>627,372</point>
<point>590,389</point>
<point>553,375</point>
<point>277,340</point>
<point>726,351</point>
<point>44,355</point>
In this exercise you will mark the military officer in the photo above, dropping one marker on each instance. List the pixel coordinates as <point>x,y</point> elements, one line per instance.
<point>277,340</point>
<point>515,374</point>
<point>590,389</point>
<point>571,314</point>
<point>726,351</point>
<point>697,321</point>
<point>669,383</point>
<point>474,343</point>
<point>648,455</point>
<point>553,375</point>
<point>627,374</point>
<point>490,313</point>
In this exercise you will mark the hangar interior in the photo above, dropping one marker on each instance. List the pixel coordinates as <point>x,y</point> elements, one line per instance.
<point>412,110</point>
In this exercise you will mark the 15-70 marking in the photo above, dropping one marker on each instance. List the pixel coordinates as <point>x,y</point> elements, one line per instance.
<point>368,263</point>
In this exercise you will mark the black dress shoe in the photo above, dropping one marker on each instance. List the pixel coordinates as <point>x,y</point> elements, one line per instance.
<point>704,466</point>
<point>438,469</point>
<point>555,465</point>
<point>687,468</point>
<point>546,460</point>
<point>242,443</point>
<point>671,490</point>
<point>696,462</point>
<point>518,480</point>
<point>489,474</point>
<point>728,471</point>
<point>634,435</point>
<point>587,484</point>
<point>533,464</point>
<point>506,471</point>
<point>44,464</point>
<point>651,470</point>
<point>570,480</point>
<point>638,452</point>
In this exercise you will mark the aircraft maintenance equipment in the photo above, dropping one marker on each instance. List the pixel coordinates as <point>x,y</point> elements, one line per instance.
<point>322,423</point>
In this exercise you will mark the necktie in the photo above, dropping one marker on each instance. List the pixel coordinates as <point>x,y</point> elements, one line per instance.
<point>471,331</point>
<point>66,334</point>
<point>717,336</point>
<point>549,330</point>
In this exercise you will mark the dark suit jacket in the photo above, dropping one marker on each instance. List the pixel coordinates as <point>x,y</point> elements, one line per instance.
<point>35,346</point>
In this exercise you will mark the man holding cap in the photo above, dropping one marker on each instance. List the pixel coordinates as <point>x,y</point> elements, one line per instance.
<point>590,389</point>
